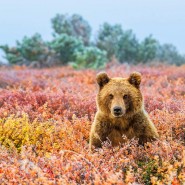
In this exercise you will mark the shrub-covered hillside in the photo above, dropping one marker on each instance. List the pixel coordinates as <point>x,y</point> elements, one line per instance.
<point>45,119</point>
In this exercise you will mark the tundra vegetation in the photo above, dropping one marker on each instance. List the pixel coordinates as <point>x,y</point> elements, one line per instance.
<point>45,120</point>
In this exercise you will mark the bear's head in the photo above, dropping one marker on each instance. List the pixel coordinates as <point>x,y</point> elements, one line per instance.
<point>119,97</point>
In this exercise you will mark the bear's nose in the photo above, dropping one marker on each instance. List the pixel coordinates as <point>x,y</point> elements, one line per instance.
<point>117,110</point>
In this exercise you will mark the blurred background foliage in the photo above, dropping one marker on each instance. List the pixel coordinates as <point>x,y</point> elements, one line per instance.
<point>73,44</point>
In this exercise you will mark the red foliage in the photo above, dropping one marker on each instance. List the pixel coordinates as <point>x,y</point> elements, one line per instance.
<point>67,97</point>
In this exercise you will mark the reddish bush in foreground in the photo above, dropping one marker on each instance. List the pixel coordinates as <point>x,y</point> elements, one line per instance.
<point>45,119</point>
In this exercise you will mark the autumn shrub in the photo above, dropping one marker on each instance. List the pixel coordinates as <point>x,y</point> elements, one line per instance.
<point>45,119</point>
<point>19,131</point>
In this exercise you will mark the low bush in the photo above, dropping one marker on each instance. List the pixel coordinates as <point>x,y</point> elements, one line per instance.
<point>90,57</point>
<point>45,119</point>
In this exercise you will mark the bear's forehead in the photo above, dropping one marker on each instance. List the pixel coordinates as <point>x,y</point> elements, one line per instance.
<point>118,85</point>
<point>119,81</point>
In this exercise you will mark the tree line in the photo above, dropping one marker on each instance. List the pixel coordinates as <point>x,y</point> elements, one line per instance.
<point>73,44</point>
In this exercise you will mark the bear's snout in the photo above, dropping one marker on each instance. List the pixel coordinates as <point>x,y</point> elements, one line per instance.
<point>118,111</point>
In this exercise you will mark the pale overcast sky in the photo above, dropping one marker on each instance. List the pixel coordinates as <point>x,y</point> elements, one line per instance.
<point>164,19</point>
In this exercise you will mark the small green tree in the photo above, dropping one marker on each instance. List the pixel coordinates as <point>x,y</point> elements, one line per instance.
<point>73,25</point>
<point>12,55</point>
<point>108,38</point>
<point>127,47</point>
<point>148,49</point>
<point>65,47</point>
<point>168,53</point>
<point>90,57</point>
<point>28,50</point>
<point>33,48</point>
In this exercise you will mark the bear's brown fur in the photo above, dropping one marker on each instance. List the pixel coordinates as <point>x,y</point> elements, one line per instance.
<point>120,112</point>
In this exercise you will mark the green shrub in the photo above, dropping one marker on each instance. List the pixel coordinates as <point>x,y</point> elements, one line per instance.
<point>127,47</point>
<point>148,49</point>
<point>168,53</point>
<point>65,47</point>
<point>90,57</point>
<point>33,48</point>
<point>108,38</point>
<point>118,43</point>
<point>28,50</point>
<point>12,55</point>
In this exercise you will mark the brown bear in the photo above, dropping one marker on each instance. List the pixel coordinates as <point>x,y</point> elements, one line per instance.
<point>120,112</point>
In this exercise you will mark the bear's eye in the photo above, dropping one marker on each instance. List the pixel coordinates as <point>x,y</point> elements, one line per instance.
<point>125,96</point>
<point>110,96</point>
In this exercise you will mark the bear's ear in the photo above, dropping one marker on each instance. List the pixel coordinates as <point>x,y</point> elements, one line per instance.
<point>102,79</point>
<point>135,79</point>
